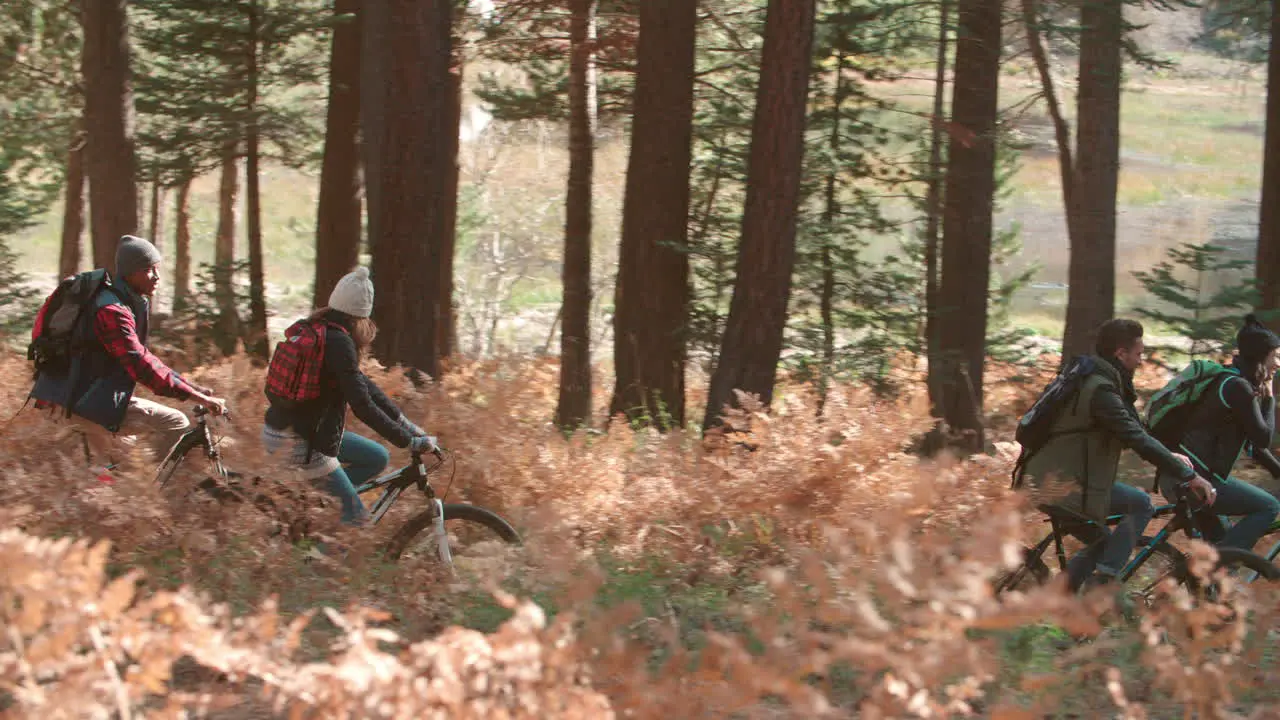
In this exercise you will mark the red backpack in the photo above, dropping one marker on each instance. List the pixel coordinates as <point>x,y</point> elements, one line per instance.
<point>293,377</point>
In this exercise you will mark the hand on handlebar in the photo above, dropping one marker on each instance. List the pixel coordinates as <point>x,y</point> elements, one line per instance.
<point>215,405</point>
<point>424,443</point>
<point>1202,489</point>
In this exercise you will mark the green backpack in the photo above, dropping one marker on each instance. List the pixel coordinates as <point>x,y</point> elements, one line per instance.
<point>1170,408</point>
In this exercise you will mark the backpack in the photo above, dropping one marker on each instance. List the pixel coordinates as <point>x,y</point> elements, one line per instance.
<point>1035,429</point>
<point>1170,408</point>
<point>293,376</point>
<point>53,336</point>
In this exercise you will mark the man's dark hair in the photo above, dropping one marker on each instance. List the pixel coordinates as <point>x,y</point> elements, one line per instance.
<point>1117,334</point>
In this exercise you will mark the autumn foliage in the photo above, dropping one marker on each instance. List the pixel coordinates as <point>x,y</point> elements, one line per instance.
<point>857,579</point>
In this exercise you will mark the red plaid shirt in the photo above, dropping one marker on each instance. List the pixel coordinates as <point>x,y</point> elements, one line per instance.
<point>116,329</point>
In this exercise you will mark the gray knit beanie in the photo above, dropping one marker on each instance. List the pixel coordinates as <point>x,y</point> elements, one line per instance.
<point>134,254</point>
<point>353,294</point>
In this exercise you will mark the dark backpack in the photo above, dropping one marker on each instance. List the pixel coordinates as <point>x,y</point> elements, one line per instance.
<point>1035,429</point>
<point>294,374</point>
<point>55,336</point>
<point>1170,409</point>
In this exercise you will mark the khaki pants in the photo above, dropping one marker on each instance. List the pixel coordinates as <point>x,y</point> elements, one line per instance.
<point>161,424</point>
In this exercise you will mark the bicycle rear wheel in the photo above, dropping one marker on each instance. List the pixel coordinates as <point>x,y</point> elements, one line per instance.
<point>1033,572</point>
<point>464,525</point>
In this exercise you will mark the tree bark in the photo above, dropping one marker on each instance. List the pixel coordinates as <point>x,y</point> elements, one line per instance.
<point>110,162</point>
<point>651,297</point>
<point>446,324</point>
<point>1268,261</point>
<point>155,220</point>
<point>338,214</point>
<point>968,204</point>
<point>753,334</point>
<point>73,211</point>
<point>574,406</point>
<point>1091,275</point>
<point>831,211</point>
<point>410,147</point>
<point>228,324</point>
<point>933,207</point>
<point>182,248</point>
<point>1061,130</point>
<point>255,337</point>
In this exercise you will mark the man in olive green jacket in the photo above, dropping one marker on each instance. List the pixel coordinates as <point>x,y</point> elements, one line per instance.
<point>1086,439</point>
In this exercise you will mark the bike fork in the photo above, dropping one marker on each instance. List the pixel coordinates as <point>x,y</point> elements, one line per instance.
<point>442,537</point>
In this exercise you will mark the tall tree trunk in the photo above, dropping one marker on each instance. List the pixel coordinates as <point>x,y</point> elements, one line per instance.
<point>651,297</point>
<point>574,406</point>
<point>338,214</point>
<point>111,164</point>
<point>446,324</point>
<point>255,336</point>
<point>1268,262</point>
<point>228,324</point>
<point>831,211</point>
<point>73,210</point>
<point>1091,275</point>
<point>753,333</point>
<point>182,248</point>
<point>1061,130</point>
<point>933,207</point>
<point>410,146</point>
<point>968,204</point>
<point>155,219</point>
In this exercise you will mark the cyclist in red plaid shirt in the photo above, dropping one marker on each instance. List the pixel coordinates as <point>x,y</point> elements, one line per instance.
<point>99,389</point>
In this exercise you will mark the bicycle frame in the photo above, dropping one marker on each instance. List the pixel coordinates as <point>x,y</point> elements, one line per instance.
<point>199,436</point>
<point>396,482</point>
<point>1182,521</point>
<point>1057,531</point>
<point>393,483</point>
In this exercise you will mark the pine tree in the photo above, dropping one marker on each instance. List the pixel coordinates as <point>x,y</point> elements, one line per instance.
<point>409,129</point>
<point>968,207</point>
<point>339,220</point>
<point>651,295</point>
<point>228,82</point>
<point>40,115</point>
<point>1201,295</point>
<point>753,334</point>
<point>111,159</point>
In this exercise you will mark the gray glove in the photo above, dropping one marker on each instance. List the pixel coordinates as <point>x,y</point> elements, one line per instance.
<point>424,443</point>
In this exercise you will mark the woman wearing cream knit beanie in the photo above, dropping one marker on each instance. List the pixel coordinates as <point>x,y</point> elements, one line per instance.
<point>314,430</point>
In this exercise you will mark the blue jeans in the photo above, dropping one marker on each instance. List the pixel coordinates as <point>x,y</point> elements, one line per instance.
<point>1109,549</point>
<point>1259,508</point>
<point>1255,507</point>
<point>363,459</point>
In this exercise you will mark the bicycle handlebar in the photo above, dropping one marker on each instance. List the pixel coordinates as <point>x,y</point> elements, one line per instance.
<point>201,411</point>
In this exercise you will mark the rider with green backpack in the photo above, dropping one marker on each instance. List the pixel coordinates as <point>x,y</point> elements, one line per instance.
<point>1213,413</point>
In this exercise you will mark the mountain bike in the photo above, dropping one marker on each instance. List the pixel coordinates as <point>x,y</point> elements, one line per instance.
<point>440,518</point>
<point>1064,522</point>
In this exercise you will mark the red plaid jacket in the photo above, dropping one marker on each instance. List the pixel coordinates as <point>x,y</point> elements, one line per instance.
<point>118,332</point>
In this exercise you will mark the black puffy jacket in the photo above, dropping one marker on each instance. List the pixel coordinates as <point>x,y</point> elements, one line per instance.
<point>322,421</point>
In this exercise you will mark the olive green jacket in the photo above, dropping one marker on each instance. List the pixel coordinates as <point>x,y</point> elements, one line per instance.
<point>1085,443</point>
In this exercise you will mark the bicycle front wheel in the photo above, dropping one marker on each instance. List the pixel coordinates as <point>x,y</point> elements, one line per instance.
<point>1245,565</point>
<point>464,526</point>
